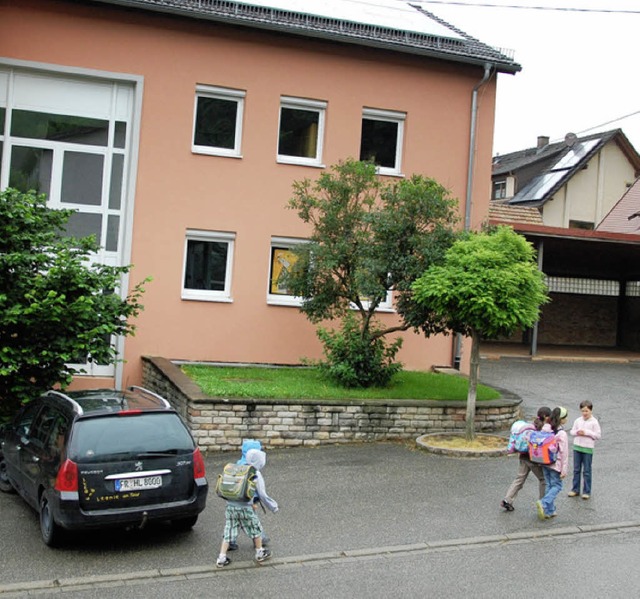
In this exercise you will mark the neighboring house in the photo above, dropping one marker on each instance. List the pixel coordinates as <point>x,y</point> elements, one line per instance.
<point>176,129</point>
<point>573,200</point>
<point>624,217</point>
<point>573,183</point>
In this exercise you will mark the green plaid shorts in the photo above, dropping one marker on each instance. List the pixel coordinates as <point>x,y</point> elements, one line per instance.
<point>241,517</point>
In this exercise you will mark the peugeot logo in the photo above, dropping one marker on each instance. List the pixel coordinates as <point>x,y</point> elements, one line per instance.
<point>138,466</point>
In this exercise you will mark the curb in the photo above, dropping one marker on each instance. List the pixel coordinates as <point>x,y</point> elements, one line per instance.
<point>331,557</point>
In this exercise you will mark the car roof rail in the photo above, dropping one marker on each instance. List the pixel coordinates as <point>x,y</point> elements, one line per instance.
<point>76,406</point>
<point>152,394</point>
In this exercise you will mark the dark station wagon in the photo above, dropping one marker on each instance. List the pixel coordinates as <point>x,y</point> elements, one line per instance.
<point>103,458</point>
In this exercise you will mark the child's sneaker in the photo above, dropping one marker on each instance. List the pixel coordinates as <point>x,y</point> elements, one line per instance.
<point>506,505</point>
<point>263,554</point>
<point>541,514</point>
<point>221,562</point>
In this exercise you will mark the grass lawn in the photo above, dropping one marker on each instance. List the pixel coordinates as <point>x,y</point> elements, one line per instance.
<point>307,383</point>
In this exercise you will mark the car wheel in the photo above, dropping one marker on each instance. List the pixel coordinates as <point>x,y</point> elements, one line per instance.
<point>184,524</point>
<point>51,532</point>
<point>5,483</point>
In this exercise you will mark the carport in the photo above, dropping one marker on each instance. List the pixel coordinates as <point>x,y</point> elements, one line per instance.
<point>594,285</point>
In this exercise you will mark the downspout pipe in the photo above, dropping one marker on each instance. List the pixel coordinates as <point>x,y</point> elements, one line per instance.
<point>488,72</point>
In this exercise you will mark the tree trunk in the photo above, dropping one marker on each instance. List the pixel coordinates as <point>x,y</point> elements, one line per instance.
<point>473,384</point>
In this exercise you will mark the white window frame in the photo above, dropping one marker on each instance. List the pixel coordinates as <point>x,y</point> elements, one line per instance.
<point>208,295</point>
<point>220,93</point>
<point>318,106</point>
<point>277,299</point>
<point>384,306</point>
<point>392,116</point>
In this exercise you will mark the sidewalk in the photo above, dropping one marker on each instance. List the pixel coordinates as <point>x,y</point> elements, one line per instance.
<point>352,502</point>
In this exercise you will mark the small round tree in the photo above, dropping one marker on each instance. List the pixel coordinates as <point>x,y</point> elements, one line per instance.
<point>56,306</point>
<point>488,286</point>
<point>367,237</point>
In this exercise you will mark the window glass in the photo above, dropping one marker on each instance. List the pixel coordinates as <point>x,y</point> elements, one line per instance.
<point>42,426</point>
<point>298,132</point>
<point>2,113</point>
<point>126,437</point>
<point>282,259</point>
<point>25,418</point>
<point>31,169</point>
<point>216,123</point>
<point>113,230</point>
<point>82,179</point>
<point>381,140</point>
<point>115,191</point>
<point>207,266</point>
<point>83,224</point>
<point>59,127</point>
<point>499,190</point>
<point>120,136</point>
<point>217,128</point>
<point>301,131</point>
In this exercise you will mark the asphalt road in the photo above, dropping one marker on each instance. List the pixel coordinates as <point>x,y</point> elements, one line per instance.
<point>379,519</point>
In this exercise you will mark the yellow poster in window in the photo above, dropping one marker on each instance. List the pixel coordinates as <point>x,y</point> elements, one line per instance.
<point>282,259</point>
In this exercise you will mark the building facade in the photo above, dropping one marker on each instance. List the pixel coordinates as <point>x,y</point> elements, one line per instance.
<point>176,130</point>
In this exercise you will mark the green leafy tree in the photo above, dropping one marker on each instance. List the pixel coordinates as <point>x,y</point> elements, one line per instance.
<point>56,307</point>
<point>367,238</point>
<point>488,286</point>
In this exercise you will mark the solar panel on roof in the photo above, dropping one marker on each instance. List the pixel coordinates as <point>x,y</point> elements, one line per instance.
<point>390,14</point>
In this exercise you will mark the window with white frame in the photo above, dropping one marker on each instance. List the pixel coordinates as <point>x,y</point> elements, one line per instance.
<point>208,261</point>
<point>499,189</point>
<point>281,259</point>
<point>217,123</point>
<point>301,131</point>
<point>382,139</point>
<point>70,136</point>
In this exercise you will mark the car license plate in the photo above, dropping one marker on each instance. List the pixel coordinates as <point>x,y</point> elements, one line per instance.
<point>138,484</point>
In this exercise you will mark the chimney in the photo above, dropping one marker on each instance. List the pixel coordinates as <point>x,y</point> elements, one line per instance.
<point>543,140</point>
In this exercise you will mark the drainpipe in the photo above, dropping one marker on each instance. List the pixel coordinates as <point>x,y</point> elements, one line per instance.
<point>488,72</point>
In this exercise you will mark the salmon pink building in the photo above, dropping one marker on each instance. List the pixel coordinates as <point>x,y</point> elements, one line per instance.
<point>176,128</point>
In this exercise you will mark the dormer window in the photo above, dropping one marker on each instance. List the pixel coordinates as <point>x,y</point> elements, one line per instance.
<point>499,190</point>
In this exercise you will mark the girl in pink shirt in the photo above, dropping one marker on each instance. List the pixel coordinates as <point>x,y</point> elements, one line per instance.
<point>586,431</point>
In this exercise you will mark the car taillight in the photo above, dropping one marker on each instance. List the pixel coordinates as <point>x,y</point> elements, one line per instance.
<point>67,479</point>
<point>198,464</point>
<point>129,412</point>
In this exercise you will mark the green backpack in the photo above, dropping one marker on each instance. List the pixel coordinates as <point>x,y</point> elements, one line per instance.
<point>237,482</point>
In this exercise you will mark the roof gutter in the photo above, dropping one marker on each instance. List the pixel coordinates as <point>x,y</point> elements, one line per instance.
<point>488,72</point>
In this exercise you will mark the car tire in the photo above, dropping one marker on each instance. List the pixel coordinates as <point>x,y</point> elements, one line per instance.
<point>184,524</point>
<point>5,483</point>
<point>51,532</point>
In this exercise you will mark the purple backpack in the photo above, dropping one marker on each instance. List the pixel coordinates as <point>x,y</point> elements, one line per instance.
<point>543,447</point>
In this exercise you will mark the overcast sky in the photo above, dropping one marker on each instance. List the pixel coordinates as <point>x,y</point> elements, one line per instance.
<point>580,70</point>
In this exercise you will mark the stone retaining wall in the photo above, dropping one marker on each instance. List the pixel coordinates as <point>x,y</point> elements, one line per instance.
<point>221,425</point>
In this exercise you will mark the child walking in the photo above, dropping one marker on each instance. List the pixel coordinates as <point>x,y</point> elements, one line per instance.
<point>247,445</point>
<point>554,473</point>
<point>243,515</point>
<point>586,430</point>
<point>525,465</point>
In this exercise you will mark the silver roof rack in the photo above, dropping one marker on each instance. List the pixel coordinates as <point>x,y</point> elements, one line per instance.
<point>76,406</point>
<point>152,394</point>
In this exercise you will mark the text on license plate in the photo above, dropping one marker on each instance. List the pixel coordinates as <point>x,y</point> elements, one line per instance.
<point>138,484</point>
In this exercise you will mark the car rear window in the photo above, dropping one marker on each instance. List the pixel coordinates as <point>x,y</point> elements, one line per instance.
<point>124,437</point>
